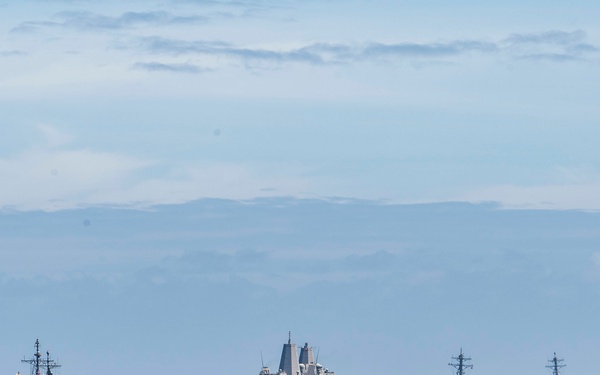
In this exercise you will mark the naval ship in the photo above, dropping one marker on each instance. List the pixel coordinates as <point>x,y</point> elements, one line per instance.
<point>38,362</point>
<point>291,364</point>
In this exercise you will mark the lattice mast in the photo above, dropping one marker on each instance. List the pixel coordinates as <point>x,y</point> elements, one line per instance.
<point>38,363</point>
<point>461,363</point>
<point>555,365</point>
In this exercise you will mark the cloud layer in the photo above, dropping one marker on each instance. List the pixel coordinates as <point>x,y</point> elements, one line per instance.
<point>208,268</point>
<point>550,45</point>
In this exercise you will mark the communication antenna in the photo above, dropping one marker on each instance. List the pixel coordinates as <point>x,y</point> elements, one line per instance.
<point>261,359</point>
<point>50,364</point>
<point>318,351</point>
<point>555,365</point>
<point>37,362</point>
<point>461,364</point>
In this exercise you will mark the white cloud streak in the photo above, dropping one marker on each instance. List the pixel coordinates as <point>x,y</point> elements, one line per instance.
<point>52,176</point>
<point>552,46</point>
<point>89,21</point>
<point>549,45</point>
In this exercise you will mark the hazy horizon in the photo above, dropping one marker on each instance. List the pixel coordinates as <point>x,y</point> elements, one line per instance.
<point>372,285</point>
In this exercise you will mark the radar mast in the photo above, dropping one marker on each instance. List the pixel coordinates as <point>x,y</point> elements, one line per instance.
<point>38,363</point>
<point>555,365</point>
<point>461,363</point>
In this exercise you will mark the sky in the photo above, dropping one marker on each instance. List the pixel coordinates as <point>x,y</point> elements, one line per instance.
<point>185,181</point>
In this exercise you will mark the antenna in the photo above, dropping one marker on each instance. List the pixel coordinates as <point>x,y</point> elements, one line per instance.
<point>555,365</point>
<point>37,362</point>
<point>461,365</point>
<point>261,360</point>
<point>50,364</point>
<point>318,351</point>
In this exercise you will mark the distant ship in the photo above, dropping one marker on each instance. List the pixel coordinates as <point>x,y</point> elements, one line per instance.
<point>38,363</point>
<point>290,364</point>
<point>461,363</point>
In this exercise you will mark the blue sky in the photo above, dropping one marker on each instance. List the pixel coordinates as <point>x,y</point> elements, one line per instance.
<point>408,102</point>
<point>393,179</point>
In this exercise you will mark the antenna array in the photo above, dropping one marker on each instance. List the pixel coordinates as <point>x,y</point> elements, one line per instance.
<point>38,363</point>
<point>555,365</point>
<point>461,364</point>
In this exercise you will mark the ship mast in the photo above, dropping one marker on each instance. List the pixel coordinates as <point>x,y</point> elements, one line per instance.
<point>555,365</point>
<point>461,364</point>
<point>50,364</point>
<point>37,362</point>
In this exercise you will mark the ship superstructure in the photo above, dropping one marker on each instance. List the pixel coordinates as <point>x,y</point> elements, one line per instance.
<point>555,365</point>
<point>461,364</point>
<point>38,363</point>
<point>291,364</point>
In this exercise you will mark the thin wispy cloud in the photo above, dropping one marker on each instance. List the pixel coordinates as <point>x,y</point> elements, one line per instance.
<point>553,57</point>
<point>548,37</point>
<point>426,49</point>
<point>317,53</point>
<point>249,8</point>
<point>89,21</point>
<point>32,26</point>
<point>552,46</point>
<point>157,45</point>
<point>171,68</point>
<point>12,53</point>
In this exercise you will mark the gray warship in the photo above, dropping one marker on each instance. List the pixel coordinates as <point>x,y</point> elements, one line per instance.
<point>38,362</point>
<point>291,364</point>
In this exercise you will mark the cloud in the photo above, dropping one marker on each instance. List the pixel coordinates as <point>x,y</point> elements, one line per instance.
<point>550,46</point>
<point>57,173</point>
<point>426,50</point>
<point>157,45</point>
<point>316,53</point>
<point>54,137</point>
<point>582,48</point>
<point>548,37</point>
<point>12,53</point>
<point>171,68</point>
<point>88,21</point>
<point>554,57</point>
<point>82,177</point>
<point>32,26</point>
<point>553,45</point>
<point>54,175</point>
<point>92,21</point>
<point>221,240</point>
<point>58,179</point>
<point>249,8</point>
